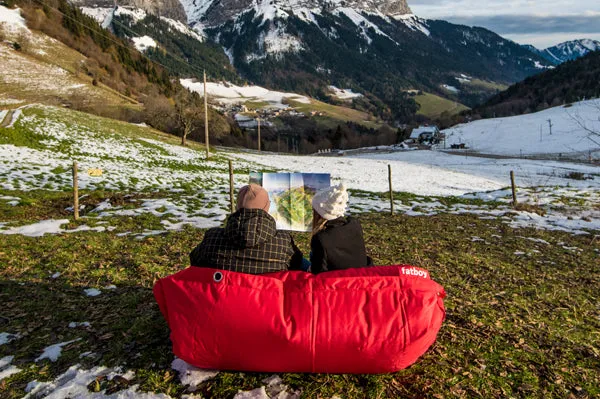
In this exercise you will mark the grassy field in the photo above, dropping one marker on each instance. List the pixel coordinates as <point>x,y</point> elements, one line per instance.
<point>433,106</point>
<point>486,85</point>
<point>334,114</point>
<point>523,318</point>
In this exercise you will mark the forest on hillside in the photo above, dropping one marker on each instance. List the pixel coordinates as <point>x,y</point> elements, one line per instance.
<point>569,82</point>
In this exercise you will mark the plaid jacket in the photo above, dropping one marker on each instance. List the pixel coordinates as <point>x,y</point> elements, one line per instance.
<point>249,243</point>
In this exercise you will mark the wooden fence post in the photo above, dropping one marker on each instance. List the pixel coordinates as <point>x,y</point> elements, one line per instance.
<point>391,191</point>
<point>232,205</point>
<point>206,120</point>
<point>514,189</point>
<point>258,121</point>
<point>75,192</point>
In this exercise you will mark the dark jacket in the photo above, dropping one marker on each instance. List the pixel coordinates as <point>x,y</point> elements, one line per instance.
<point>249,243</point>
<point>340,245</point>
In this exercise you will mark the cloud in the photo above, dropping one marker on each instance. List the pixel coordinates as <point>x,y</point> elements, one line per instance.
<point>539,22</point>
<point>546,40</point>
<point>527,24</point>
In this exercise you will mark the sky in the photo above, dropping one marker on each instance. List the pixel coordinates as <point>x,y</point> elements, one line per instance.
<point>542,23</point>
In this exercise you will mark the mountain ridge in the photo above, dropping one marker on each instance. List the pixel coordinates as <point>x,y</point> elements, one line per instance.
<point>378,48</point>
<point>566,51</point>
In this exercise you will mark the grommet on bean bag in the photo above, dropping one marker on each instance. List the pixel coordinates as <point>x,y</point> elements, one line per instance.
<point>367,320</point>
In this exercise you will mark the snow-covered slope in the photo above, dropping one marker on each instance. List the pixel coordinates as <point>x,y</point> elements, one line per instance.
<point>563,130</point>
<point>43,69</point>
<point>138,159</point>
<point>229,93</point>
<point>105,15</point>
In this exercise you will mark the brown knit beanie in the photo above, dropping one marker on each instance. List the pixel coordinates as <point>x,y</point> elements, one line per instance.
<point>253,196</point>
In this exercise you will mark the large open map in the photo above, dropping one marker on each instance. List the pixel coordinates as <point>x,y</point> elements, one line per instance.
<point>291,195</point>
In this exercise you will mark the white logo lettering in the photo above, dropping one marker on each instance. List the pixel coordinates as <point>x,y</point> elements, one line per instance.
<point>413,271</point>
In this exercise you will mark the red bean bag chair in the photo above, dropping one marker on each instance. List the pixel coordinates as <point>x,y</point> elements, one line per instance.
<point>367,320</point>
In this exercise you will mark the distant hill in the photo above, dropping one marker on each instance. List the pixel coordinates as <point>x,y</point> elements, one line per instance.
<point>567,83</point>
<point>566,51</point>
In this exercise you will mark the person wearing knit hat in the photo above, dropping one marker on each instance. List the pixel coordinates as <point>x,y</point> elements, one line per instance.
<point>253,196</point>
<point>331,203</point>
<point>337,242</point>
<point>250,241</point>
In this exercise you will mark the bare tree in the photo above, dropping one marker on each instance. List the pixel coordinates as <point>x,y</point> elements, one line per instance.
<point>188,113</point>
<point>591,126</point>
<point>159,112</point>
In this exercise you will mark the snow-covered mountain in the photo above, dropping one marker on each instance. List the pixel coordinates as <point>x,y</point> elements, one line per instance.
<point>171,9</point>
<point>216,12</point>
<point>368,49</point>
<point>567,51</point>
<point>377,48</point>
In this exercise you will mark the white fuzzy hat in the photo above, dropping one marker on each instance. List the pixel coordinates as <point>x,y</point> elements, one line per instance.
<point>331,202</point>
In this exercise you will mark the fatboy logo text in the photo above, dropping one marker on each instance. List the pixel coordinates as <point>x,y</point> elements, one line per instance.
<point>413,271</point>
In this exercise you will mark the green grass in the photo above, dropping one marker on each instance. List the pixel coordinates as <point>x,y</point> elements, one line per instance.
<point>486,85</point>
<point>433,106</point>
<point>27,132</point>
<point>334,114</point>
<point>517,325</point>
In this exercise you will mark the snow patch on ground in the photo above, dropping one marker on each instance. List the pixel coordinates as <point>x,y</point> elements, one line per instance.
<point>344,94</point>
<point>75,324</point>
<point>92,292</point>
<point>7,337</point>
<point>191,376</point>
<point>73,384</point>
<point>37,229</point>
<point>274,389</point>
<point>450,88</point>
<point>258,393</point>
<point>143,43</point>
<point>98,13</point>
<point>231,94</point>
<point>15,117</point>
<point>53,352</point>
<point>9,101</point>
<point>6,369</point>
<point>12,19</point>
<point>50,226</point>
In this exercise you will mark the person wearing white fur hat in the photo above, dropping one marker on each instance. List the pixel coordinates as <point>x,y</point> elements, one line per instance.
<point>337,242</point>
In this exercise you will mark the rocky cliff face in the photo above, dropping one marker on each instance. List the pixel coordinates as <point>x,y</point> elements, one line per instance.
<point>216,12</point>
<point>165,8</point>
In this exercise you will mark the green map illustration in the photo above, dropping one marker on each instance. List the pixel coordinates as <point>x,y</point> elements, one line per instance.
<point>291,196</point>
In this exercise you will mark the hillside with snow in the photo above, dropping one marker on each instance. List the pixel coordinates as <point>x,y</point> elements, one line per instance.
<point>141,159</point>
<point>572,132</point>
<point>44,69</point>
